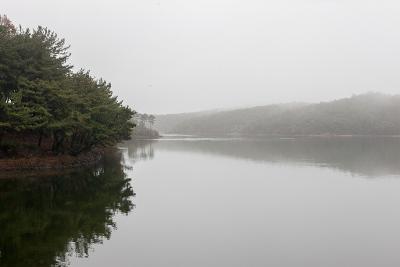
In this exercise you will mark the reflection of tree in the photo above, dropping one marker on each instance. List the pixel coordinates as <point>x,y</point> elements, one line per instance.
<point>42,221</point>
<point>140,150</point>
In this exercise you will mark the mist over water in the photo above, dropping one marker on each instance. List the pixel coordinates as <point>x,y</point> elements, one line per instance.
<point>213,202</point>
<point>259,202</point>
<point>185,201</point>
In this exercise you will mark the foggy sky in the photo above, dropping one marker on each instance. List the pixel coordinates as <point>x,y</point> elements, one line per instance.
<point>165,56</point>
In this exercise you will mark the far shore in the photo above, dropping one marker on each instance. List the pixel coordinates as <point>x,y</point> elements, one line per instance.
<point>169,135</point>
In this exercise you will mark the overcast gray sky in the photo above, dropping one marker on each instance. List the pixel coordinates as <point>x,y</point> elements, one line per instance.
<point>166,56</point>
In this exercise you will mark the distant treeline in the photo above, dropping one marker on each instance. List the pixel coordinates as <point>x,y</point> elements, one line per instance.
<point>367,114</point>
<point>47,107</point>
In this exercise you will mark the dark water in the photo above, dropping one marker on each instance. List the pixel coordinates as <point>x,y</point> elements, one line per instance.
<point>212,202</point>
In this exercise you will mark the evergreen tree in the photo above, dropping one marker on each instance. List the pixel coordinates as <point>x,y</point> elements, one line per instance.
<point>42,98</point>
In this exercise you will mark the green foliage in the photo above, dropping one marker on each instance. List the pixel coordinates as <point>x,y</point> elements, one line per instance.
<point>41,96</point>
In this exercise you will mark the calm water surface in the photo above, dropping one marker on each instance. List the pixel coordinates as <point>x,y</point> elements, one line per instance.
<point>212,202</point>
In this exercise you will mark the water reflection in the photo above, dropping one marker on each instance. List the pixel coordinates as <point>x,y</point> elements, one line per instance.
<point>366,156</point>
<point>140,149</point>
<point>44,221</point>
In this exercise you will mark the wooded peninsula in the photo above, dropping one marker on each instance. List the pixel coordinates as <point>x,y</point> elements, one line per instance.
<point>47,108</point>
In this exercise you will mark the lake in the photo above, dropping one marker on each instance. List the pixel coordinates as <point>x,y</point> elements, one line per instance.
<point>183,201</point>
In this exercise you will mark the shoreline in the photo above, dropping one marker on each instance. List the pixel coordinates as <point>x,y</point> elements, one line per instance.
<point>275,135</point>
<point>56,162</point>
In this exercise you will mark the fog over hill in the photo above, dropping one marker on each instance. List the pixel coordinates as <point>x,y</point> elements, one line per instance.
<point>366,114</point>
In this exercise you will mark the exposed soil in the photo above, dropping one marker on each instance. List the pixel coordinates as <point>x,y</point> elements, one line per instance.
<point>51,161</point>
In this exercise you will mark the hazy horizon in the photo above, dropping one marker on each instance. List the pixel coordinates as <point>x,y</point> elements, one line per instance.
<point>239,107</point>
<point>174,56</point>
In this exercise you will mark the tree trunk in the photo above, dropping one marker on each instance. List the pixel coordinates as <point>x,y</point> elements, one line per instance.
<point>58,139</point>
<point>40,139</point>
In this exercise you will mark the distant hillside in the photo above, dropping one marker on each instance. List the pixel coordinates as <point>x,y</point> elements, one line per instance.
<point>367,114</point>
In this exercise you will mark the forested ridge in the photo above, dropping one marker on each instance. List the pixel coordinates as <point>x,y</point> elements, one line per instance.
<point>366,114</point>
<point>46,106</point>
